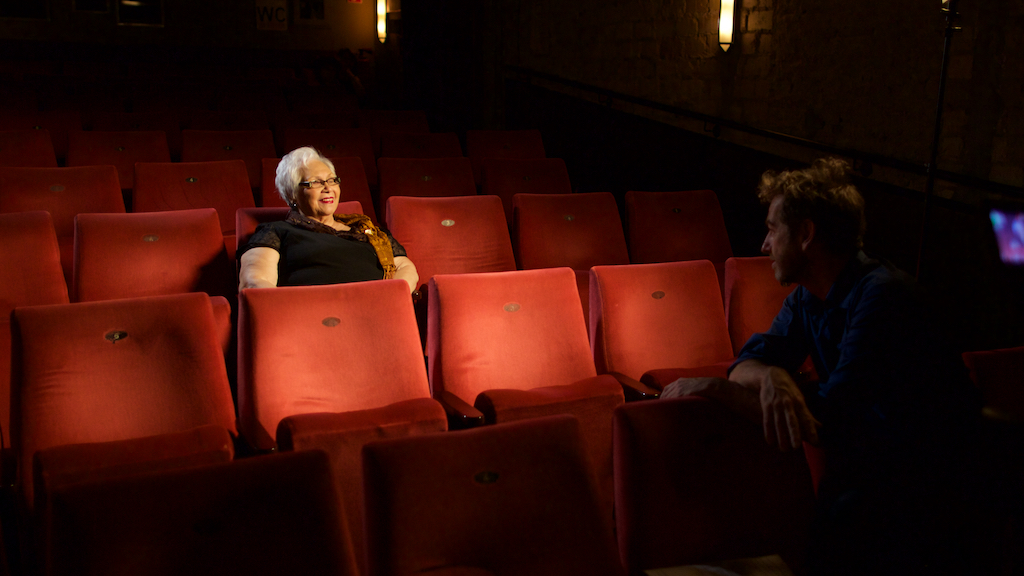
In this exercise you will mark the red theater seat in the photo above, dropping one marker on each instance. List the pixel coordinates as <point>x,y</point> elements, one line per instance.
<point>333,367</point>
<point>249,146</point>
<point>424,177</point>
<point>505,178</point>
<point>167,121</point>
<point>27,149</point>
<point>514,345</point>
<point>696,484</point>
<point>753,297</point>
<point>274,515</point>
<point>677,226</point>
<point>420,145</point>
<point>57,122</point>
<point>520,144</point>
<point>379,121</point>
<point>119,149</point>
<point>513,499</point>
<point>187,185</point>
<point>64,193</point>
<point>336,143</point>
<point>30,257</point>
<point>354,186</point>
<point>124,370</point>
<point>666,318</point>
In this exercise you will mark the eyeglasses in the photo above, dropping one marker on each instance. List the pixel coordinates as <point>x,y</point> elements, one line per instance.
<point>318,184</point>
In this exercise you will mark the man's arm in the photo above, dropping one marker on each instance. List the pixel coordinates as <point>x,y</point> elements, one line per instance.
<point>785,416</point>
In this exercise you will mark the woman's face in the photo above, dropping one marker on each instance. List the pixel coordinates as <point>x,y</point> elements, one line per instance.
<point>320,201</point>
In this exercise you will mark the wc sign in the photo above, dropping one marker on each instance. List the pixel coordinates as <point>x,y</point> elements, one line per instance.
<point>271,14</point>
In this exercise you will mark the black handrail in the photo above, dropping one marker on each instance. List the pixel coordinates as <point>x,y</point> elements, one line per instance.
<point>866,157</point>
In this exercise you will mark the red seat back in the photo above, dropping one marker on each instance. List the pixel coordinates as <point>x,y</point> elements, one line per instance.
<point>753,297</point>
<point>27,148</point>
<point>146,254</point>
<point>519,496</point>
<point>358,342</point>
<point>57,122</point>
<point>249,146</point>
<point>510,330</point>
<point>574,230</point>
<point>119,149</point>
<point>167,121</point>
<point>999,374</point>
<point>650,316</point>
<point>676,226</point>
<point>482,144</point>
<point>451,235</point>
<point>424,177</point>
<point>105,371</point>
<point>420,145</point>
<point>506,177</point>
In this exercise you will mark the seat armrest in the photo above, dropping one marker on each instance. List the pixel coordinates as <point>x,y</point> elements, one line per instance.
<point>460,414</point>
<point>634,390</point>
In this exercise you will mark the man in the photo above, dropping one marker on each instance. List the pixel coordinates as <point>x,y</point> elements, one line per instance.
<point>892,406</point>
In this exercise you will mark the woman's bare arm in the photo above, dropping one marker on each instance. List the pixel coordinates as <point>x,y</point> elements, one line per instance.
<point>258,268</point>
<point>406,270</point>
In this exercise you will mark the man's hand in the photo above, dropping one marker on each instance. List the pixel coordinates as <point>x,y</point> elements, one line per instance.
<point>688,387</point>
<point>787,420</point>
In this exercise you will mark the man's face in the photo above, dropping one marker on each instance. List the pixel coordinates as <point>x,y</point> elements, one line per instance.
<point>783,247</point>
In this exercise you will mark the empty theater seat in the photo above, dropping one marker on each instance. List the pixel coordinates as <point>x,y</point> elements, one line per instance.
<point>119,149</point>
<point>27,148</point>
<point>167,121</point>
<point>222,185</point>
<point>521,144</point>
<point>696,484</point>
<point>420,145</point>
<point>514,346</point>
<point>424,177</point>
<point>278,514</point>
<point>506,177</point>
<point>249,146</point>
<point>513,499</point>
<point>64,193</point>
<point>367,382</point>
<point>379,121</point>
<point>30,257</point>
<point>658,322</point>
<point>676,226</point>
<point>57,122</point>
<point>753,297</point>
<point>121,370</point>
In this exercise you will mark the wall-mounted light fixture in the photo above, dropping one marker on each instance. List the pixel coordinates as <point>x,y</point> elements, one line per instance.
<point>382,20</point>
<point>725,20</point>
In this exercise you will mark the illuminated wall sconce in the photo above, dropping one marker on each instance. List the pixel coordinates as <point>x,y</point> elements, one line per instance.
<point>382,22</point>
<point>725,20</point>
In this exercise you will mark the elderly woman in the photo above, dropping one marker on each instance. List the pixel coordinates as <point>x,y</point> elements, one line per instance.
<point>313,245</point>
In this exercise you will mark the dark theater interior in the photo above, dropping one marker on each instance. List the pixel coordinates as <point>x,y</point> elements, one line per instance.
<point>570,192</point>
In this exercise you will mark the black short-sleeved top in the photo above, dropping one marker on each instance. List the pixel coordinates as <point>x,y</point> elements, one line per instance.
<point>313,253</point>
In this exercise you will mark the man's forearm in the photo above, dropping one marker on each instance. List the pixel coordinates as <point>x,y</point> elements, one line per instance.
<point>749,374</point>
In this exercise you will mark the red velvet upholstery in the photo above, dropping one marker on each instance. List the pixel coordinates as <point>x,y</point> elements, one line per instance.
<point>696,483</point>
<point>229,119</point>
<point>354,186</point>
<point>999,374</point>
<point>333,367</point>
<point>249,146</point>
<point>184,185</point>
<point>246,219</point>
<point>507,177</point>
<point>64,193</point>
<point>420,145</point>
<point>27,149</point>
<point>167,121</point>
<point>31,260</point>
<point>379,121</point>
<point>676,226</point>
<point>513,499</point>
<point>145,254</point>
<point>752,298</point>
<point>57,122</point>
<point>452,235</point>
<point>272,515</point>
<point>515,345</point>
<point>336,143</point>
<point>119,149</point>
<point>574,230</point>
<point>424,178</point>
<point>521,144</point>
<point>117,370</point>
<point>651,316</point>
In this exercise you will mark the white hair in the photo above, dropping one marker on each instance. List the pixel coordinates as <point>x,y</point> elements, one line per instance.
<point>289,171</point>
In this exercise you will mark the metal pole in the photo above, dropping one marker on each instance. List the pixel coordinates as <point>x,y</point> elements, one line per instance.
<point>932,167</point>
